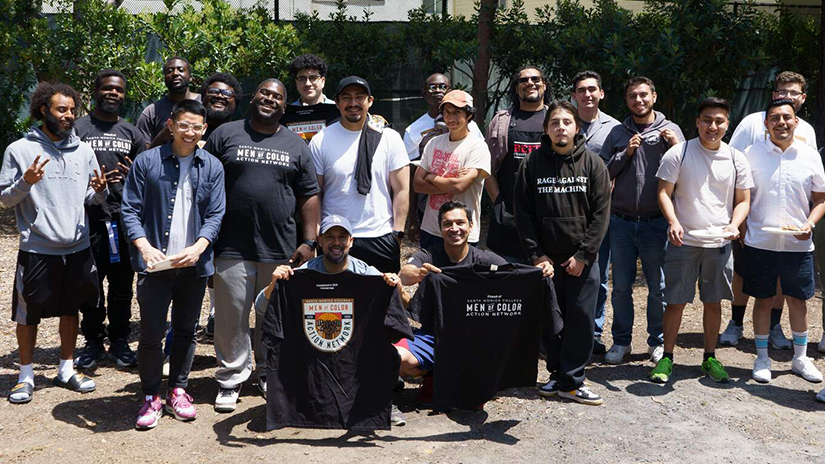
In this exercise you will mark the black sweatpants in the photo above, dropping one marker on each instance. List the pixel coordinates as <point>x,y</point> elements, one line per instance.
<point>118,306</point>
<point>383,252</point>
<point>155,291</point>
<point>569,352</point>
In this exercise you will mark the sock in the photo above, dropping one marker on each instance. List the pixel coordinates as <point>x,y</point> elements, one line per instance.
<point>761,342</point>
<point>776,316</point>
<point>66,369</point>
<point>211,302</point>
<point>708,355</point>
<point>738,315</point>
<point>26,374</point>
<point>800,344</point>
<point>668,356</point>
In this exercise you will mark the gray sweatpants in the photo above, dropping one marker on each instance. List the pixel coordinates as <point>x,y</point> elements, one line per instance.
<point>237,283</point>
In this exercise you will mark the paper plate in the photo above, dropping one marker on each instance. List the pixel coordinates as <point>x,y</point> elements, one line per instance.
<point>779,231</point>
<point>711,233</point>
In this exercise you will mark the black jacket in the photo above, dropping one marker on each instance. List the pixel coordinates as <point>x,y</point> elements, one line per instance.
<point>562,203</point>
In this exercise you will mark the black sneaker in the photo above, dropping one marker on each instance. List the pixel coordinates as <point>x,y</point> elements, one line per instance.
<point>209,331</point>
<point>598,347</point>
<point>90,355</point>
<point>122,354</point>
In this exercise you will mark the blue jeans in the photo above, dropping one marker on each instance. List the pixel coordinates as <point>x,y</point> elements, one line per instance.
<point>630,240</point>
<point>601,298</point>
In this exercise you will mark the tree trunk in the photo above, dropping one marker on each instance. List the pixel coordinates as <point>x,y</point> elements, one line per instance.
<point>481,67</point>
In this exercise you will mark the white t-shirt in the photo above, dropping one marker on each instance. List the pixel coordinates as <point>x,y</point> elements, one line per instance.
<point>418,129</point>
<point>335,154</point>
<point>752,131</point>
<point>445,158</point>
<point>705,183</point>
<point>782,192</point>
<point>182,230</point>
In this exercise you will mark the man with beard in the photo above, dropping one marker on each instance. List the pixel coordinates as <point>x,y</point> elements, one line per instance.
<point>637,227</point>
<point>269,175</point>
<point>152,121</point>
<point>752,131</point>
<point>512,134</point>
<point>220,93</point>
<point>116,143</point>
<point>362,168</point>
<point>596,125</point>
<point>55,267</point>
<point>420,132</point>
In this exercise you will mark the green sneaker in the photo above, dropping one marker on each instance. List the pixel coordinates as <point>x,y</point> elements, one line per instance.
<point>714,369</point>
<point>663,370</point>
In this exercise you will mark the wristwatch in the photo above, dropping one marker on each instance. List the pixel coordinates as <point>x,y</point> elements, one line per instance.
<point>312,244</point>
<point>399,234</point>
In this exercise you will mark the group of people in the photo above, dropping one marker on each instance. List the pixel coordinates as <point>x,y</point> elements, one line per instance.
<point>190,199</point>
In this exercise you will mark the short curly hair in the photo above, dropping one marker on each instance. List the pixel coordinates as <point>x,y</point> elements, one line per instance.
<point>42,96</point>
<point>307,61</point>
<point>103,74</point>
<point>227,79</point>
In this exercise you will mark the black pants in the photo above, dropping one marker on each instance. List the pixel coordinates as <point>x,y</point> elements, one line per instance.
<point>185,291</point>
<point>569,352</point>
<point>383,252</point>
<point>120,276</point>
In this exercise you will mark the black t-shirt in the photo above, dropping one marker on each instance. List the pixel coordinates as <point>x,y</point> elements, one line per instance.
<point>439,258</point>
<point>112,142</point>
<point>523,137</point>
<point>265,175</point>
<point>330,358</point>
<point>308,120</point>
<point>487,326</point>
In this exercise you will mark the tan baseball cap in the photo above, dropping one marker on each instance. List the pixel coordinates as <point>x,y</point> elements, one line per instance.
<point>457,98</point>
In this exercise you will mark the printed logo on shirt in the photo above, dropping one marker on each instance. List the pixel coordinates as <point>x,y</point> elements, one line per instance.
<point>493,306</point>
<point>652,138</point>
<point>573,184</point>
<point>328,322</point>
<point>522,149</point>
<point>307,129</point>
<point>446,165</point>
<point>109,142</point>
<point>259,155</point>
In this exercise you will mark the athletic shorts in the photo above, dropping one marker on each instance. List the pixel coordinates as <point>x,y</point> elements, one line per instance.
<point>53,285</point>
<point>712,267</point>
<point>795,271</point>
<point>422,347</point>
<point>384,252</point>
<point>740,261</point>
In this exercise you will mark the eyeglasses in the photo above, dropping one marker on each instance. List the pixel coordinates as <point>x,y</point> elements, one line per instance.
<point>311,79</point>
<point>185,126</point>
<point>788,93</point>
<point>533,79</point>
<point>435,87</point>
<point>220,92</point>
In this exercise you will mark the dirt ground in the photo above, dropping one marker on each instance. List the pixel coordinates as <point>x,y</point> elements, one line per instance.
<point>692,419</point>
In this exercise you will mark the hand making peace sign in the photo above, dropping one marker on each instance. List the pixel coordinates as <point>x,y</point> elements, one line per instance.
<point>35,172</point>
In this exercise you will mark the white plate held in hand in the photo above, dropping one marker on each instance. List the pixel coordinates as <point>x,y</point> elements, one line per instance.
<point>780,231</point>
<point>714,232</point>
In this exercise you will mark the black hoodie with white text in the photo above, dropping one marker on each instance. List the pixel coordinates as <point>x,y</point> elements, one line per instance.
<point>562,202</point>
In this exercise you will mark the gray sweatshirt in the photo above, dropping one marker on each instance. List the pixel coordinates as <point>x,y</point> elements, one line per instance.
<point>635,188</point>
<point>51,214</point>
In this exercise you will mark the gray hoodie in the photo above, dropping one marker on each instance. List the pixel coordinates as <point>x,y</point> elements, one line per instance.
<point>51,216</point>
<point>635,188</point>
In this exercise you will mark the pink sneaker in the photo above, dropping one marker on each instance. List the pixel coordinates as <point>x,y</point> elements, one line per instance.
<point>179,404</point>
<point>149,414</point>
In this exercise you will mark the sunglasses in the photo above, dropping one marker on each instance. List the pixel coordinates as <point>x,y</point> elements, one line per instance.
<point>533,79</point>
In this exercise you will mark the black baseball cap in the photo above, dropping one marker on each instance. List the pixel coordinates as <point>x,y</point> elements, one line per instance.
<point>352,80</point>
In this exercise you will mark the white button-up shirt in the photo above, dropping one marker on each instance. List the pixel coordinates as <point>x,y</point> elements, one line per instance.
<point>783,182</point>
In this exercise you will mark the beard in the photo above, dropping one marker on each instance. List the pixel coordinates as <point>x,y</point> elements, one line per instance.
<point>218,116</point>
<point>179,88</point>
<point>336,260</point>
<point>643,114</point>
<point>271,118</point>
<point>106,107</point>
<point>54,126</point>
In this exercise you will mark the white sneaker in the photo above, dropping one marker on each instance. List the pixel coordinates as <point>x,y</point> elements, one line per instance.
<point>821,347</point>
<point>778,339</point>
<point>227,399</point>
<point>656,353</point>
<point>762,369</point>
<point>805,368</point>
<point>616,354</point>
<point>821,396</point>
<point>731,335</point>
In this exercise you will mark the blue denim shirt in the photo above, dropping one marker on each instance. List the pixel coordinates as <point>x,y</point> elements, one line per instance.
<point>149,199</point>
